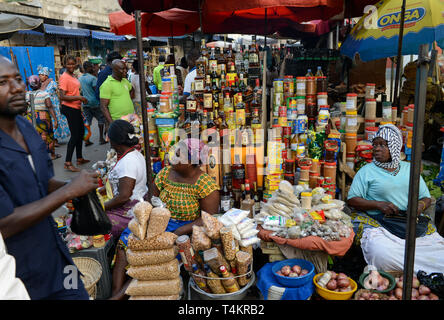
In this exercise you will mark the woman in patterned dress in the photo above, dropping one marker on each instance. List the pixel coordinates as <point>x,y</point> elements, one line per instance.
<point>61,134</point>
<point>43,111</point>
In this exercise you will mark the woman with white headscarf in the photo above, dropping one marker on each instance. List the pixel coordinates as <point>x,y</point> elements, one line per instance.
<point>379,193</point>
<point>61,133</point>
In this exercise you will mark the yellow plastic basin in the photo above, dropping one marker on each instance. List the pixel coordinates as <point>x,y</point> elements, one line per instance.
<point>333,295</point>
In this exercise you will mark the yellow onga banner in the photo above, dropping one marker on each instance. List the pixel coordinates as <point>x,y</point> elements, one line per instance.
<point>376,33</point>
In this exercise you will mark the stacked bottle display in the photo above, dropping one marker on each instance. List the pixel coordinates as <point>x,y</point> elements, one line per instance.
<point>299,149</point>
<point>225,108</point>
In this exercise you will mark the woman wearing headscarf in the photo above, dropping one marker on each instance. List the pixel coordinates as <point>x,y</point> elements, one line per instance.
<point>61,133</point>
<point>379,193</point>
<point>43,112</point>
<point>186,191</point>
<point>127,179</point>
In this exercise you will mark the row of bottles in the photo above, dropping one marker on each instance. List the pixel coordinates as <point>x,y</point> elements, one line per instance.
<point>229,283</point>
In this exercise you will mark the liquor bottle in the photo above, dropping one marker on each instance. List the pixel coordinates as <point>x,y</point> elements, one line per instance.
<point>257,202</point>
<point>238,58</point>
<point>202,61</point>
<point>232,75</point>
<point>230,57</point>
<point>211,128</point>
<point>230,284</point>
<point>247,202</point>
<point>208,95</point>
<point>200,281</point>
<point>225,196</point>
<point>204,126</point>
<point>212,63</point>
<point>191,102</point>
<point>238,171</point>
<point>186,125</point>
<point>213,168</point>
<point>240,111</point>
<point>231,125</point>
<point>256,125</point>
<point>253,55</point>
<point>227,103</point>
<point>242,84</point>
<point>215,89</point>
<point>227,89</point>
<point>246,58</point>
<point>195,123</point>
<point>221,63</point>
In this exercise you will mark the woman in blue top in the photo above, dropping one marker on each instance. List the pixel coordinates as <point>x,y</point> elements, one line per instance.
<point>379,193</point>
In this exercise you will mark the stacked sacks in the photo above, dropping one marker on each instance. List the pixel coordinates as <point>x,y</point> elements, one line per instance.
<point>152,255</point>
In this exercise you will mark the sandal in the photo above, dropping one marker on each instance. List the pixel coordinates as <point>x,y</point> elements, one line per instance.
<point>82,161</point>
<point>68,166</point>
<point>56,156</point>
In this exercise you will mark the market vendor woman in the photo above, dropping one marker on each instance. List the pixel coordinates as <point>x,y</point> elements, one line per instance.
<point>380,194</point>
<point>186,190</point>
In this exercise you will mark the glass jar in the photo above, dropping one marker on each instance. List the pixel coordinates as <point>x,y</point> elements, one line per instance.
<point>289,85</point>
<point>289,166</point>
<point>370,123</point>
<point>300,86</point>
<point>321,84</point>
<point>322,99</point>
<point>310,85</point>
<point>305,173</point>
<point>352,101</point>
<point>387,111</point>
<point>411,112</point>
<point>331,147</point>
<point>370,109</point>
<point>306,200</point>
<point>315,166</point>
<point>289,177</point>
<point>330,170</point>
<point>351,124</point>
<point>302,123</point>
<point>404,116</point>
<point>278,85</point>
<point>370,132</point>
<point>310,99</point>
<point>311,110</point>
<point>313,179</point>
<point>323,116</point>
<point>300,100</point>
<point>370,90</point>
<point>351,141</point>
<point>394,115</point>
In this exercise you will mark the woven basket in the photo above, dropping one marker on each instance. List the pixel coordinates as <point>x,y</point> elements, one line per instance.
<point>91,271</point>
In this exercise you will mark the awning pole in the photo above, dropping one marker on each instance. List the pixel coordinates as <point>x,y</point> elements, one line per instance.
<point>138,20</point>
<point>395,99</point>
<point>415,169</point>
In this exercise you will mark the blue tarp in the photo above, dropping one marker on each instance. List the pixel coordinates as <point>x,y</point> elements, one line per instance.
<point>61,30</point>
<point>39,56</point>
<point>101,35</point>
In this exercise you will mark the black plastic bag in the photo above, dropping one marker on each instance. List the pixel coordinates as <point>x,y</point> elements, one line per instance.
<point>434,281</point>
<point>89,218</point>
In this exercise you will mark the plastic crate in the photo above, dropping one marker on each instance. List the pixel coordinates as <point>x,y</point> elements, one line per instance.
<point>105,256</point>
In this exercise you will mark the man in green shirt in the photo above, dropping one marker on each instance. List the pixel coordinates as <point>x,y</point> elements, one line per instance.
<point>116,94</point>
<point>157,76</point>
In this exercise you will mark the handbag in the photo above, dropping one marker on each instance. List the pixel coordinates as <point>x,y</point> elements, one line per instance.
<point>397,224</point>
<point>89,217</point>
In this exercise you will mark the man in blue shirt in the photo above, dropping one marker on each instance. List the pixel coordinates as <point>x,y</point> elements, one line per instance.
<point>103,75</point>
<point>88,83</point>
<point>29,193</point>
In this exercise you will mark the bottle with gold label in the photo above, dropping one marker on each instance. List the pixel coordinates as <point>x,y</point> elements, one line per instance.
<point>230,284</point>
<point>240,111</point>
<point>231,122</point>
<point>202,62</point>
<point>212,63</point>
<point>256,124</point>
<point>221,63</point>
<point>191,102</point>
<point>208,95</point>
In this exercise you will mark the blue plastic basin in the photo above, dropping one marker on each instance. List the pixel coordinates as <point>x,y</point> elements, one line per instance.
<point>294,282</point>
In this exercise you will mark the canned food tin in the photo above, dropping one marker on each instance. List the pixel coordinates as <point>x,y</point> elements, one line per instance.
<point>278,85</point>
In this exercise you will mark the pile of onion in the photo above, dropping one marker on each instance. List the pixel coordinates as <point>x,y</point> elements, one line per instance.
<point>292,272</point>
<point>339,282</point>
<point>419,291</point>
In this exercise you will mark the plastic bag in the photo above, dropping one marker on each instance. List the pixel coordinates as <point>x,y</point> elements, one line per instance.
<point>158,221</point>
<point>154,288</point>
<point>199,240</point>
<point>164,241</point>
<point>146,257</point>
<point>137,229</point>
<point>211,225</point>
<point>89,217</point>
<point>435,281</point>
<point>161,271</point>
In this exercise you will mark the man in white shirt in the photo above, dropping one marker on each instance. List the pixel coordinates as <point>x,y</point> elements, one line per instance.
<point>11,287</point>
<point>191,60</point>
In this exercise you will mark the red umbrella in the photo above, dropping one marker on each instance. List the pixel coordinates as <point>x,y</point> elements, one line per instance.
<point>170,23</point>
